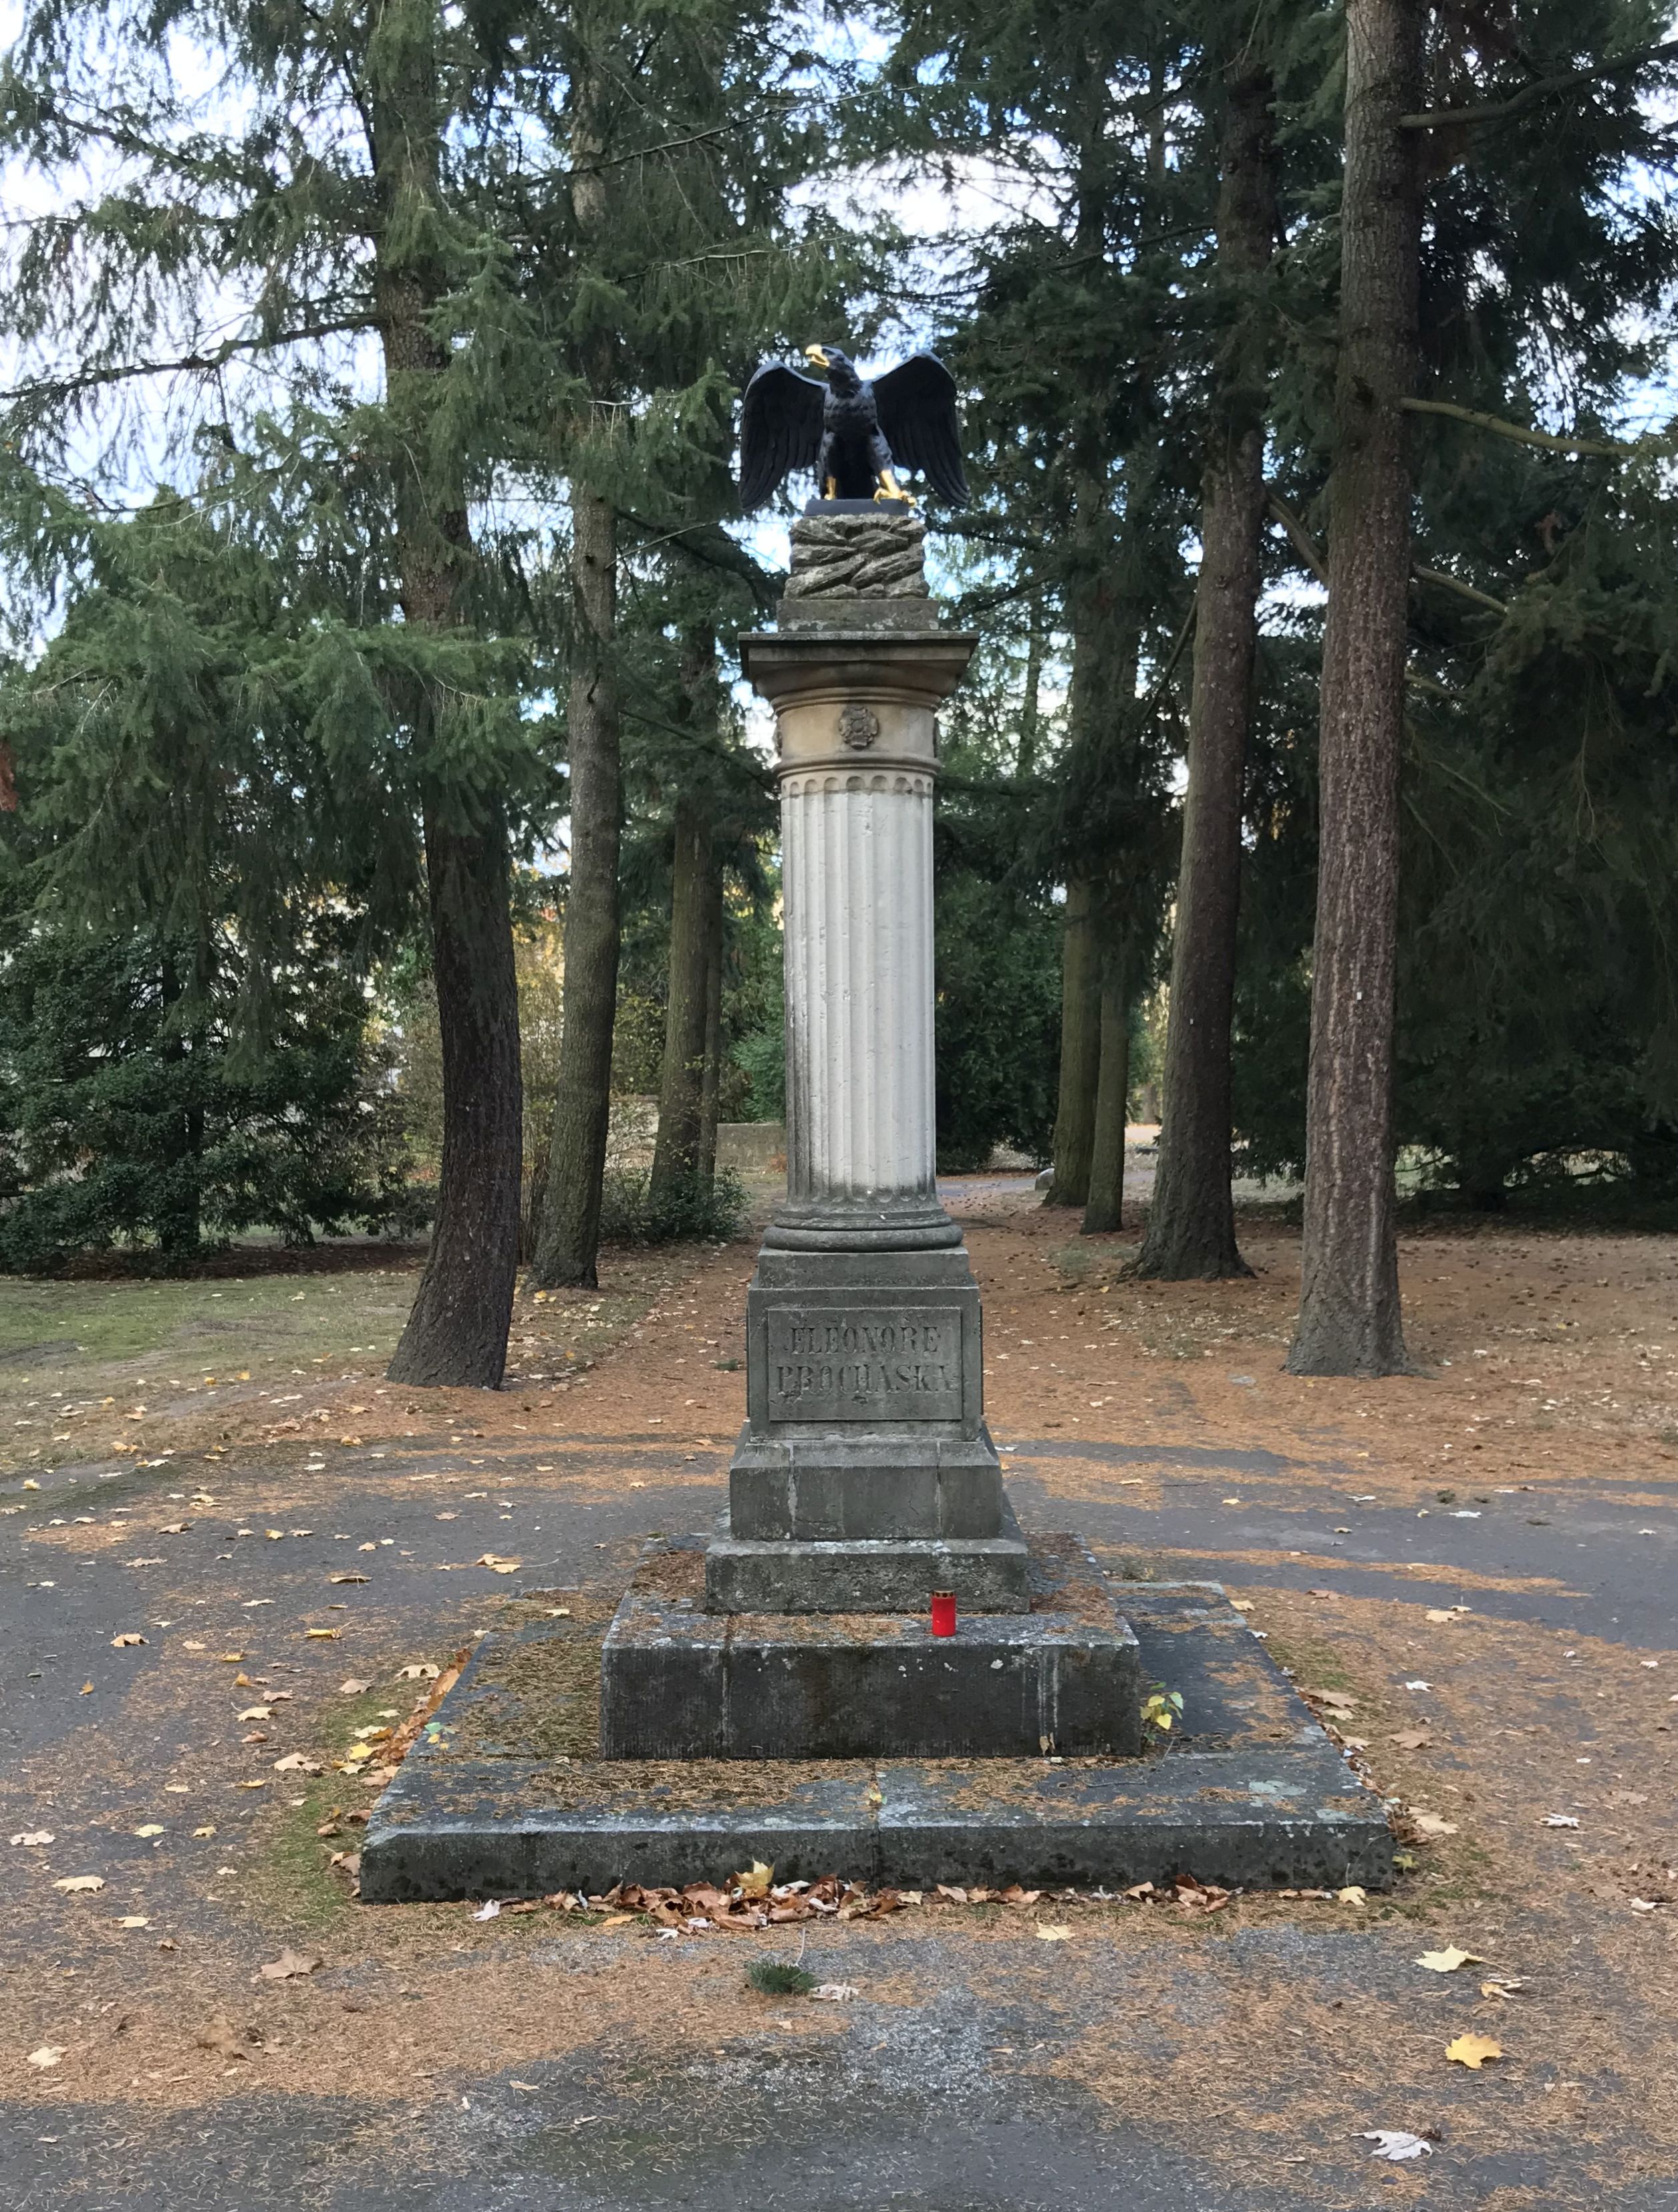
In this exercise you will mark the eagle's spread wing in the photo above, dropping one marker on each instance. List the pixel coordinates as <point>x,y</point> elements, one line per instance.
<point>780,429</point>
<point>917,414</point>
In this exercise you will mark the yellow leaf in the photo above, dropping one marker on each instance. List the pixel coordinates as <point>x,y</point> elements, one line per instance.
<point>328,1635</point>
<point>121,1642</point>
<point>755,1882</point>
<point>1352,1895</point>
<point>1054,1935</point>
<point>204,1832</point>
<point>1473,2050</point>
<point>72,1884</point>
<point>151,1828</point>
<point>1447,1961</point>
<point>134,1920</point>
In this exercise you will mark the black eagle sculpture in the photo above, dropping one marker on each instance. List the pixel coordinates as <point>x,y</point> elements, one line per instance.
<point>855,436</point>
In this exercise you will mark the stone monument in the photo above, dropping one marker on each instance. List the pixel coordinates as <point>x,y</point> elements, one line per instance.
<point>865,1479</point>
<point>784,1689</point>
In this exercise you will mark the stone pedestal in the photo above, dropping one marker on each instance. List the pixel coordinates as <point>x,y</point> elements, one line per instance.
<point>864,1478</point>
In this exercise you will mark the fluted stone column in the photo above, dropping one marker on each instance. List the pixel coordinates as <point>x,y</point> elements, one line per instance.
<point>865,1476</point>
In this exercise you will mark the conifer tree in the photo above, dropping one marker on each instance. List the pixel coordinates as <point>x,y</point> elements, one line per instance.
<point>425,181</point>
<point>1191,1220</point>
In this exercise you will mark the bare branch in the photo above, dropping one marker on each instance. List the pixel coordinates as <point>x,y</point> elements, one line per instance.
<point>1301,539</point>
<point>1607,448</point>
<point>1549,88</point>
<point>61,388</point>
<point>1448,583</point>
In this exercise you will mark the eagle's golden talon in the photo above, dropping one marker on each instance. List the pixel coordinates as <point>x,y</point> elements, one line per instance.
<point>889,489</point>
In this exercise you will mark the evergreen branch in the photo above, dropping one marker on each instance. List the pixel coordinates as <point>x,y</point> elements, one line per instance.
<point>1607,449</point>
<point>1550,87</point>
<point>91,378</point>
<point>737,762</point>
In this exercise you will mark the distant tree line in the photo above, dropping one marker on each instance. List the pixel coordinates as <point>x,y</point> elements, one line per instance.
<point>1320,560</point>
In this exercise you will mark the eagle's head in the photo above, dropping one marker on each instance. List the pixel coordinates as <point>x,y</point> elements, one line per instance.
<point>836,366</point>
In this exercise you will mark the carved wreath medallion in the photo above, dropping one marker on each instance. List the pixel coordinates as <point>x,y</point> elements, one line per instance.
<point>858,726</point>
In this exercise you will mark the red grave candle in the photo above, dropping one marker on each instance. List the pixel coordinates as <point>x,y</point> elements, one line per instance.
<point>944,1613</point>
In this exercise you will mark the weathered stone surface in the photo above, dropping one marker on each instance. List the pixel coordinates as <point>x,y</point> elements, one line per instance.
<point>873,554</point>
<point>821,1489</point>
<point>1253,1795</point>
<point>989,1574</point>
<point>677,1681</point>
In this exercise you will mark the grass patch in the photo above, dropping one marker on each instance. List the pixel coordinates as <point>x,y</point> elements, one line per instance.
<point>1315,1665</point>
<point>292,1878</point>
<point>775,1978</point>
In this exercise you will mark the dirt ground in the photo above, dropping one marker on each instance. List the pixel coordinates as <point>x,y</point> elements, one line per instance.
<point>1475,1562</point>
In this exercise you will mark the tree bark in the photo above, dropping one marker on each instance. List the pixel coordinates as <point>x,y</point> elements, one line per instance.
<point>711,1092</point>
<point>570,1234</point>
<point>1349,1317</point>
<point>456,1331</point>
<point>1191,1220</point>
<point>1081,1053</point>
<point>1105,1210</point>
<point>676,1153</point>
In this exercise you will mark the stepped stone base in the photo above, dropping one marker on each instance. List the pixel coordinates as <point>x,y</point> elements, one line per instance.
<point>677,1681</point>
<point>1252,1795</point>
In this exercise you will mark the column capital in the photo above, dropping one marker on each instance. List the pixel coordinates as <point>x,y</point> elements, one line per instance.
<point>856,699</point>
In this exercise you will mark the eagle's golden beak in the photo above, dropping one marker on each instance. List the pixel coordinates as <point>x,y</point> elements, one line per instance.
<point>815,355</point>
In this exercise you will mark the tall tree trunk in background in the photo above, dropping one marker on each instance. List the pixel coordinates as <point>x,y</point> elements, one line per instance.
<point>676,1154</point>
<point>1349,1317</point>
<point>1030,703</point>
<point>1191,1220</point>
<point>568,1240</point>
<point>710,1090</point>
<point>1105,1209</point>
<point>1080,1052</point>
<point>456,1331</point>
<point>570,1234</point>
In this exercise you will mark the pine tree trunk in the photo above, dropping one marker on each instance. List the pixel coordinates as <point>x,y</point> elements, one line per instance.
<point>676,1154</point>
<point>1081,1053</point>
<point>570,1235</point>
<point>1105,1210</point>
<point>457,1331</point>
<point>710,1093</point>
<point>1191,1219</point>
<point>1349,1317</point>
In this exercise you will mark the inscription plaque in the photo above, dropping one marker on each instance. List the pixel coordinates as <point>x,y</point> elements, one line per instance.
<point>895,1363</point>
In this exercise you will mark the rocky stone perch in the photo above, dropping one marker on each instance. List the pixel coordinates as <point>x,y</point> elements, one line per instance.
<point>858,572</point>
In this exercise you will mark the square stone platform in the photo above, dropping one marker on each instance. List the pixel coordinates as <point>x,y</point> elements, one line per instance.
<point>679,1681</point>
<point>1252,1794</point>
